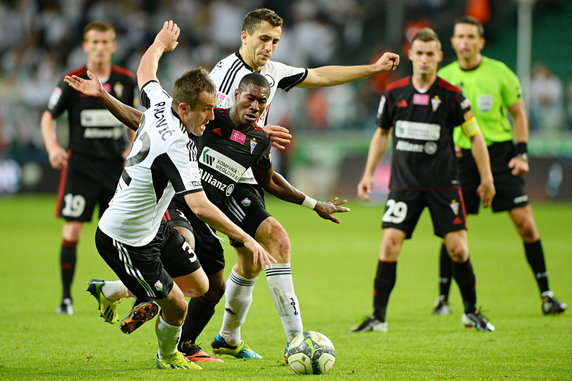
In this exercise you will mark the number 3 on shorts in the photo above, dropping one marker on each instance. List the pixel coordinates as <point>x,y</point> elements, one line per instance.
<point>395,212</point>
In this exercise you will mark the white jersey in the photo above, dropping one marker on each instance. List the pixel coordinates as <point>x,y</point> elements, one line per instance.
<point>162,162</point>
<point>227,75</point>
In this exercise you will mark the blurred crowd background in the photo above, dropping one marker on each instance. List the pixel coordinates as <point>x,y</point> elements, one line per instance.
<point>40,41</point>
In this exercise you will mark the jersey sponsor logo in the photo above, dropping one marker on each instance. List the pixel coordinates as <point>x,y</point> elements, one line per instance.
<point>238,136</point>
<point>403,145</point>
<point>98,118</point>
<point>485,102</point>
<point>435,102</point>
<point>103,133</point>
<point>417,130</point>
<point>420,99</point>
<point>208,178</point>
<point>430,148</point>
<point>270,80</point>
<point>221,163</point>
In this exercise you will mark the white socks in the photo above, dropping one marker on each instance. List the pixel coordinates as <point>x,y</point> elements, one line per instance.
<point>279,280</point>
<point>238,301</point>
<point>113,290</point>
<point>168,337</point>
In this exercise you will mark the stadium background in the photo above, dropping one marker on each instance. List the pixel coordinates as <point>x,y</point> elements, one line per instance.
<point>40,41</point>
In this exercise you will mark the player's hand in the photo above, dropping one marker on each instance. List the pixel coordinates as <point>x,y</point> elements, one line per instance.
<point>364,188</point>
<point>486,192</point>
<point>459,152</point>
<point>279,136</point>
<point>167,37</point>
<point>58,158</point>
<point>259,255</point>
<point>388,61</point>
<point>518,165</point>
<point>91,87</point>
<point>325,209</point>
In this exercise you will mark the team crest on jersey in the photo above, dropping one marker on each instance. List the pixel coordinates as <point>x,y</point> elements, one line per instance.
<point>118,89</point>
<point>253,144</point>
<point>435,102</point>
<point>269,79</point>
<point>158,285</point>
<point>246,202</point>
<point>454,207</point>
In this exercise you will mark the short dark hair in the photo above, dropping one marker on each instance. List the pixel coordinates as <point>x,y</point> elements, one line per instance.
<point>426,35</point>
<point>100,26</point>
<point>189,86</point>
<point>255,17</point>
<point>471,21</point>
<point>256,79</point>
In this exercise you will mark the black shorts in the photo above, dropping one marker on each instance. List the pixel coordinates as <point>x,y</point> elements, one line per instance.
<point>148,271</point>
<point>246,208</point>
<point>207,244</point>
<point>510,190</point>
<point>403,209</point>
<point>85,183</point>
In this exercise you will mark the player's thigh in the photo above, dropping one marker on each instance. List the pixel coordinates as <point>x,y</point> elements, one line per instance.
<point>139,268</point>
<point>272,235</point>
<point>510,192</point>
<point>447,210</point>
<point>402,211</point>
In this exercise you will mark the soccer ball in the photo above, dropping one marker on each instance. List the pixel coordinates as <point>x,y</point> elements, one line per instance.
<point>311,352</point>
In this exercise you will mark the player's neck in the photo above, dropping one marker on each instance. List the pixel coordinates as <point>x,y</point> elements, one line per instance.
<point>248,61</point>
<point>423,82</point>
<point>235,121</point>
<point>470,62</point>
<point>101,69</point>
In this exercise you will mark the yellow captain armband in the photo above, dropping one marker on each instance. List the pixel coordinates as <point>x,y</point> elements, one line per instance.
<point>470,127</point>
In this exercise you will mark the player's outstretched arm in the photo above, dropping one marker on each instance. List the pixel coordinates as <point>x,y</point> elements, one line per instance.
<point>377,148</point>
<point>279,136</point>
<point>210,214</point>
<point>165,41</point>
<point>92,87</point>
<point>486,190</point>
<point>337,75</point>
<point>277,185</point>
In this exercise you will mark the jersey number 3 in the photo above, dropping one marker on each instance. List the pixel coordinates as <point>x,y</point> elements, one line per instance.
<point>395,212</point>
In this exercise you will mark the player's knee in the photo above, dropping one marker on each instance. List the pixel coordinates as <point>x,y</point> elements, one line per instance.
<point>527,230</point>
<point>216,289</point>
<point>458,251</point>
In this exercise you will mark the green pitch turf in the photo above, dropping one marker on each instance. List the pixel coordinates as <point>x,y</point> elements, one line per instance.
<point>333,270</point>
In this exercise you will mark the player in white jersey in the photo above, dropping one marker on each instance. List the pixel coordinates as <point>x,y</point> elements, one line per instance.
<point>260,35</point>
<point>150,257</point>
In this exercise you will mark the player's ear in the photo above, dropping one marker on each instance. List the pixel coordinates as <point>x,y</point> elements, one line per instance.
<point>243,37</point>
<point>183,108</point>
<point>236,93</point>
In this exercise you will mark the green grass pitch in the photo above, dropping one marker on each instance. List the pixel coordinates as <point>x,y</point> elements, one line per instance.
<point>333,270</point>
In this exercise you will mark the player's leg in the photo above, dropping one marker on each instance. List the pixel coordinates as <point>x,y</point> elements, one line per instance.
<point>525,225</point>
<point>71,233</point>
<point>402,211</point>
<point>445,275</point>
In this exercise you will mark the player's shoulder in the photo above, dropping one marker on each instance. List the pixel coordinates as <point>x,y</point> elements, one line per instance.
<point>449,68</point>
<point>444,84</point>
<point>80,71</point>
<point>122,71</point>
<point>495,64</point>
<point>399,83</point>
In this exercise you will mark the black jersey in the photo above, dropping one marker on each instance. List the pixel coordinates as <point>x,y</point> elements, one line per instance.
<point>225,153</point>
<point>423,124</point>
<point>93,130</point>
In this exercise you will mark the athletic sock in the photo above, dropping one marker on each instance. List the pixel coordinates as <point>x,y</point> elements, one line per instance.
<point>535,258</point>
<point>279,280</point>
<point>238,301</point>
<point>68,255</point>
<point>167,336</point>
<point>465,277</point>
<point>114,290</point>
<point>445,273</point>
<point>198,315</point>
<point>382,287</point>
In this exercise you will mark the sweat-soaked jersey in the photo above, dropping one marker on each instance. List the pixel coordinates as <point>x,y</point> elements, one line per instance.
<point>422,137</point>
<point>93,130</point>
